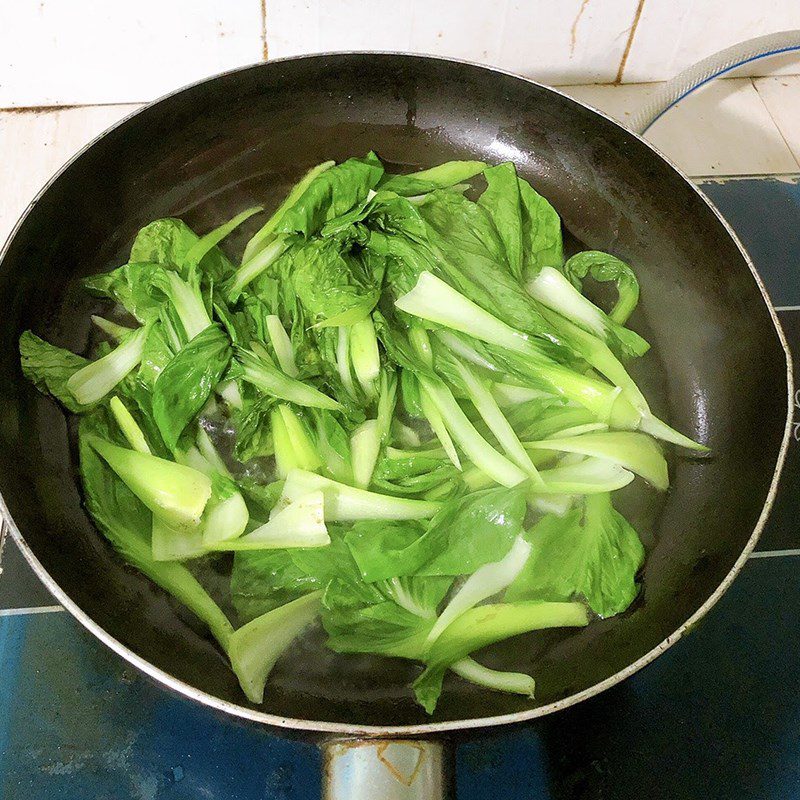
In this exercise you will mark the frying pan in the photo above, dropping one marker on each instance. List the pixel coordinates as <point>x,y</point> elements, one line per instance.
<point>718,370</point>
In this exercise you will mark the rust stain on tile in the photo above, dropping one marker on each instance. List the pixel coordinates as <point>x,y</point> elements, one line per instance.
<point>264,47</point>
<point>573,31</point>
<point>634,25</point>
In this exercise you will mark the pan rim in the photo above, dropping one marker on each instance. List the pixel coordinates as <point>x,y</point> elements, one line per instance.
<point>430,728</point>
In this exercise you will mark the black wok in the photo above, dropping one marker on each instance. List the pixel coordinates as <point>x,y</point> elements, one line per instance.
<point>718,369</point>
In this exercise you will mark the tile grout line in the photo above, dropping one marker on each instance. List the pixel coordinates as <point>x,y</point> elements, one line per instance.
<point>264,46</point>
<point>20,612</point>
<point>68,107</point>
<point>623,62</point>
<point>775,553</point>
<point>743,176</point>
<point>775,123</point>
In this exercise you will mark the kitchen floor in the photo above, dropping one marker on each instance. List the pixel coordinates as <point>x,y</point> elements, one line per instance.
<point>716,717</point>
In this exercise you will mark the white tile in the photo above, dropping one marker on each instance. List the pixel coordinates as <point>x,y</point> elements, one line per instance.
<point>566,42</point>
<point>364,25</point>
<point>36,143</point>
<point>71,52</point>
<point>781,96</point>
<point>673,34</point>
<point>722,129</point>
<point>570,41</point>
<point>293,28</point>
<point>470,30</point>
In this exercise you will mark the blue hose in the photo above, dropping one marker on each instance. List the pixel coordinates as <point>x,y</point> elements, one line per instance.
<point>712,67</point>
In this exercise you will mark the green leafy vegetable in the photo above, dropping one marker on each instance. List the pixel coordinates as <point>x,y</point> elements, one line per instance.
<point>501,201</point>
<point>345,503</point>
<point>300,524</point>
<point>604,267</point>
<point>176,493</point>
<point>484,625</point>
<point>186,382</point>
<point>49,369</point>
<point>552,289</point>
<point>255,648</point>
<point>541,231</point>
<point>427,180</point>
<point>267,378</point>
<point>127,424</point>
<point>591,552</point>
<point>393,410</point>
<point>125,522</point>
<point>94,381</point>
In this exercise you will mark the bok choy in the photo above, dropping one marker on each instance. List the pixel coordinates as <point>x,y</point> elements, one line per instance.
<point>395,414</point>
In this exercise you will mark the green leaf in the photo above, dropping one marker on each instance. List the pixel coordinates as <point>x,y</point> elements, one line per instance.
<point>390,617</point>
<point>265,579</point>
<point>471,531</point>
<point>385,549</point>
<point>471,258</point>
<point>157,353</point>
<point>409,390</point>
<point>554,291</point>
<point>130,286</point>
<point>260,497</point>
<point>253,432</point>
<point>591,552</point>
<point>49,368</point>
<point>604,267</point>
<point>267,231</point>
<point>427,180</point>
<point>184,386</point>
<point>269,380</point>
<point>164,241</point>
<point>381,627</point>
<point>485,625</point>
<point>169,242</point>
<point>332,284</point>
<point>502,203</point>
<point>541,231</point>
<point>330,194</point>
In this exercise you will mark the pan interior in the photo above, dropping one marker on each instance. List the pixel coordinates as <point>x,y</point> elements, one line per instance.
<point>717,370</point>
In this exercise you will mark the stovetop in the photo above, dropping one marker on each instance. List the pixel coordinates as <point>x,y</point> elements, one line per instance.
<point>716,717</point>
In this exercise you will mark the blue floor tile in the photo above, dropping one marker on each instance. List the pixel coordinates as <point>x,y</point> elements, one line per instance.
<point>783,526</point>
<point>765,213</point>
<point>716,717</point>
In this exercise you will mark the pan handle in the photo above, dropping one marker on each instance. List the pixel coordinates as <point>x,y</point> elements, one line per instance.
<point>389,769</point>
